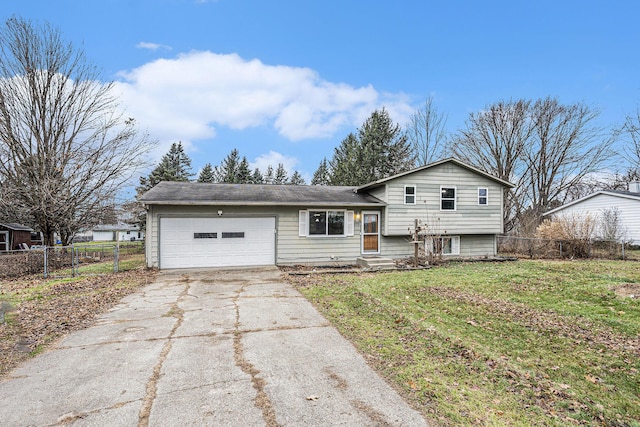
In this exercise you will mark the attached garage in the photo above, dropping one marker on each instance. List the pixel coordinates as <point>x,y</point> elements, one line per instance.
<point>193,242</point>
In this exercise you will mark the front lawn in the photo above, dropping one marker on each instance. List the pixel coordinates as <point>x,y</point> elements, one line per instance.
<point>522,343</point>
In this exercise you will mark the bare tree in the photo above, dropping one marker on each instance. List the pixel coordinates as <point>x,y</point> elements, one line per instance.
<point>494,140</point>
<point>64,149</point>
<point>631,150</point>
<point>427,134</point>
<point>565,148</point>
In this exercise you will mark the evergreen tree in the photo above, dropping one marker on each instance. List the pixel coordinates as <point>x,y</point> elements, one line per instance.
<point>345,164</point>
<point>257,177</point>
<point>243,173</point>
<point>174,166</point>
<point>321,176</point>
<point>268,175</point>
<point>207,174</point>
<point>296,179</point>
<point>379,150</point>
<point>229,167</point>
<point>281,175</point>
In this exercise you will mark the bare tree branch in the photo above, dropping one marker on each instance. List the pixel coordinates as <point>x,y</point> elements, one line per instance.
<point>65,148</point>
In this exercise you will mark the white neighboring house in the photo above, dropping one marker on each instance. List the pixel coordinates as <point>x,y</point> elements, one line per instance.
<point>114,232</point>
<point>627,203</point>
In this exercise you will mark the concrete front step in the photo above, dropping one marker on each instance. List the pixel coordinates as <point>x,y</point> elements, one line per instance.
<point>376,263</point>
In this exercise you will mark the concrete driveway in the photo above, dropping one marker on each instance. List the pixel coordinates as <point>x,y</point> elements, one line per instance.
<point>204,347</point>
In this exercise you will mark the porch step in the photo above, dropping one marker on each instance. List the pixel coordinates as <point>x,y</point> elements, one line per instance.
<point>376,263</point>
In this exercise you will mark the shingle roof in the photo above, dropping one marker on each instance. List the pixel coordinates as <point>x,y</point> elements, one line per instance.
<point>115,227</point>
<point>189,193</point>
<point>15,226</point>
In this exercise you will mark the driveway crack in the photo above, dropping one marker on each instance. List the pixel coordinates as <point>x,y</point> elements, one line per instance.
<point>152,384</point>
<point>261,401</point>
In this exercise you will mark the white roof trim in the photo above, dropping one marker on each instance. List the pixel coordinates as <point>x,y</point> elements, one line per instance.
<point>605,192</point>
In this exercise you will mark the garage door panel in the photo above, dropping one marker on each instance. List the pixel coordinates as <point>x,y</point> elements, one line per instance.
<point>182,244</point>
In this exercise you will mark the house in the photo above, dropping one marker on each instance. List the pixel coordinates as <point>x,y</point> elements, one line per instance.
<point>117,232</point>
<point>627,204</point>
<point>212,225</point>
<point>14,236</point>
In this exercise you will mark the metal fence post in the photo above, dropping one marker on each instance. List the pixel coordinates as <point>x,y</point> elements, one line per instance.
<point>115,259</point>
<point>44,258</point>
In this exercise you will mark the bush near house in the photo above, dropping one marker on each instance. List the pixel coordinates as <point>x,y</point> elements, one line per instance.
<point>545,343</point>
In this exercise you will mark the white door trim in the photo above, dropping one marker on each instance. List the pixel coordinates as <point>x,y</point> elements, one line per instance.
<point>363,234</point>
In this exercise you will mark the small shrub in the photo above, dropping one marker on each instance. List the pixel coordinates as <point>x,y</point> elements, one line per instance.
<point>574,231</point>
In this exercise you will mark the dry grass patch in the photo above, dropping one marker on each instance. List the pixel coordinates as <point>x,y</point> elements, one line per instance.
<point>39,311</point>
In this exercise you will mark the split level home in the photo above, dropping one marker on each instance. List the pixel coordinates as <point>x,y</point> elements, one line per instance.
<point>218,225</point>
<point>626,204</point>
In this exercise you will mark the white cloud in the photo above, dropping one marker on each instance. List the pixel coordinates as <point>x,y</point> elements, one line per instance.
<point>274,158</point>
<point>152,46</point>
<point>188,96</point>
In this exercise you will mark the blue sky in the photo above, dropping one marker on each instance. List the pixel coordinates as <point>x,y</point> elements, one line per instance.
<point>286,81</point>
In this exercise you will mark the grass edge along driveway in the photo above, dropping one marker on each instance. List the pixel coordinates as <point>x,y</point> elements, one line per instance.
<point>520,343</point>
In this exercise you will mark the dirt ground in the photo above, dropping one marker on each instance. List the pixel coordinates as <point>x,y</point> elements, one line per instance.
<point>48,312</point>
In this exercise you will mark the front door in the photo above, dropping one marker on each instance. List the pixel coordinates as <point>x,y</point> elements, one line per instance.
<point>370,232</point>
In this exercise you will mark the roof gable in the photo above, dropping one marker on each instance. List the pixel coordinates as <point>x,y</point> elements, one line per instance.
<point>431,165</point>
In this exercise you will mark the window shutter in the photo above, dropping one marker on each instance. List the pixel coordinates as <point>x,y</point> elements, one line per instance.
<point>302,223</point>
<point>350,223</point>
<point>455,245</point>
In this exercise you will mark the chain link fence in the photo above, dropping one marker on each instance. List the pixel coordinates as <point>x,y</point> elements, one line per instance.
<point>67,261</point>
<point>557,249</point>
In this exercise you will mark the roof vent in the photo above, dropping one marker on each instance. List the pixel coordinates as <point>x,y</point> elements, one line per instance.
<point>634,187</point>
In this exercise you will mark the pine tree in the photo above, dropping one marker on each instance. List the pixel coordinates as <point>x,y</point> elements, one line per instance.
<point>281,175</point>
<point>296,179</point>
<point>174,166</point>
<point>321,176</point>
<point>379,150</point>
<point>345,164</point>
<point>268,175</point>
<point>243,173</point>
<point>257,177</point>
<point>229,167</point>
<point>207,174</point>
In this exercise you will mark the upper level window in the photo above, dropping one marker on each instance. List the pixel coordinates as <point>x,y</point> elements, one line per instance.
<point>448,198</point>
<point>409,194</point>
<point>483,196</point>
<point>326,223</point>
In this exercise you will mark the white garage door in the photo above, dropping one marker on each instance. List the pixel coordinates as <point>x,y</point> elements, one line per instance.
<point>216,242</point>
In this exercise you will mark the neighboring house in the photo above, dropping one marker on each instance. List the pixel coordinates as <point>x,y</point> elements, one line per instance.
<point>14,236</point>
<point>627,204</point>
<point>117,232</point>
<point>212,225</point>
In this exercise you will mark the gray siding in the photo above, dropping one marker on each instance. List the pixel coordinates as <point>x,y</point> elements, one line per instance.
<point>471,246</point>
<point>290,248</point>
<point>468,218</point>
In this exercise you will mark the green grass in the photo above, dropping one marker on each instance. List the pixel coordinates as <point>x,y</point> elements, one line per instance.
<point>129,262</point>
<point>523,343</point>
